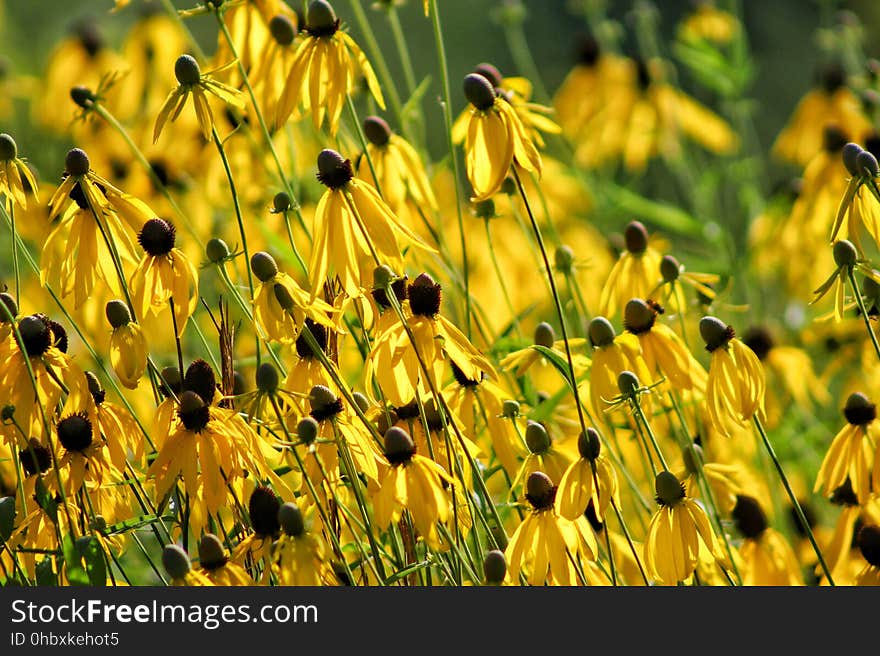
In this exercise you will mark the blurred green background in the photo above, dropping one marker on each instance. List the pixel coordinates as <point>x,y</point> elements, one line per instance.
<point>785,37</point>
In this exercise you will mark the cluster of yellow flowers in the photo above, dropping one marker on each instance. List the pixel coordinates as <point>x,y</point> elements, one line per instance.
<point>403,373</point>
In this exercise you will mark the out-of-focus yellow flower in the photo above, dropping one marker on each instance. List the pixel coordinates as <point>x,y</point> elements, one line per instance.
<point>830,102</point>
<point>191,80</point>
<point>324,70</point>
<point>14,175</point>
<point>709,23</point>
<point>766,556</point>
<point>495,139</point>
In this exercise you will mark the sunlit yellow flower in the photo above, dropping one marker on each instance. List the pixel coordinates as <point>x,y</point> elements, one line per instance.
<point>612,354</point>
<point>44,343</point>
<point>590,478</point>
<point>164,275</point>
<point>518,92</point>
<point>115,424</point>
<point>272,54</point>
<point>94,219</point>
<point>355,230</point>
<point>177,564</point>
<point>412,482</point>
<point>280,305</point>
<point>215,565</point>
<point>663,352</point>
<point>14,175</point>
<point>324,70</point>
<point>735,390</point>
<point>543,456</point>
<point>401,176</point>
<point>300,557</point>
<point>766,556</point>
<point>128,345</point>
<point>634,275</point>
<point>544,544</point>
<point>852,452</point>
<point>847,261</point>
<point>191,80</point>
<point>860,205</point>
<point>393,362</point>
<point>675,533</point>
<point>495,139</point>
<point>830,102</point>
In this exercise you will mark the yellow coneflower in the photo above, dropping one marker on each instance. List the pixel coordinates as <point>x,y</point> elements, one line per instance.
<point>735,389</point>
<point>393,362</point>
<point>164,275</point>
<point>399,170</point>
<point>847,261</point>
<point>353,228</point>
<point>518,92</point>
<point>273,59</point>
<point>128,345</point>
<point>83,462</point>
<point>191,80</point>
<point>12,170</point>
<point>766,556</point>
<point>634,275</point>
<point>725,481</point>
<point>91,215</point>
<point>673,274</point>
<point>211,448</point>
<point>860,205</point>
<point>664,352</point>
<point>481,402</point>
<point>495,139</point>
<point>412,482</point>
<point>114,423</point>
<point>281,306</point>
<point>324,70</point>
<point>215,565</point>
<point>44,344</point>
<point>300,557</point>
<point>852,452</point>
<point>520,361</point>
<point>675,533</point>
<point>545,544</point>
<point>612,354</point>
<point>177,564</point>
<point>868,541</point>
<point>829,102</point>
<point>543,456</point>
<point>590,478</point>
<point>262,510</point>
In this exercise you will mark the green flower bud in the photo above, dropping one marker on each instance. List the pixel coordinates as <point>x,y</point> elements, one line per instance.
<point>176,561</point>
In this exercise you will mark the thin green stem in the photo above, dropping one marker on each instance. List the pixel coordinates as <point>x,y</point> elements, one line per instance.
<point>793,498</point>
<point>863,311</point>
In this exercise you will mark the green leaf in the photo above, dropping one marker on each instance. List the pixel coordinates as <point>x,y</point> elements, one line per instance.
<point>92,554</point>
<point>661,214</point>
<point>556,360</point>
<point>45,573</point>
<point>131,524</point>
<point>46,501</point>
<point>7,517</point>
<point>406,571</point>
<point>411,105</point>
<point>72,563</point>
